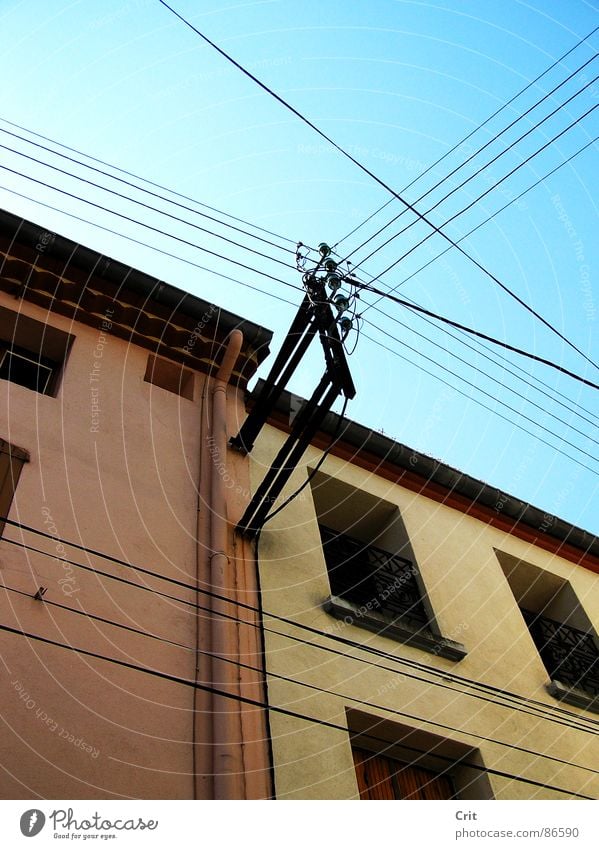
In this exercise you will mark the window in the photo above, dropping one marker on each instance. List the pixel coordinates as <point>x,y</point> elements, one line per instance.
<point>570,655</point>
<point>25,368</point>
<point>11,463</point>
<point>560,631</point>
<point>32,354</point>
<point>373,575</point>
<point>170,376</point>
<point>397,761</point>
<point>374,579</point>
<point>380,777</point>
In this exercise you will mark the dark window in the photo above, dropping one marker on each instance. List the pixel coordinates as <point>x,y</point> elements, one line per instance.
<point>32,354</point>
<point>373,579</point>
<point>380,777</point>
<point>11,463</point>
<point>170,376</point>
<point>569,654</point>
<point>33,371</point>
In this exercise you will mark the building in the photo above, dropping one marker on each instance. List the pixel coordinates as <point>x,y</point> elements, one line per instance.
<point>427,636</point>
<point>117,560</point>
<point>397,630</point>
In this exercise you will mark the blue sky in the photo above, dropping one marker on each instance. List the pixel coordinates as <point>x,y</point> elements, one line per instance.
<point>397,84</point>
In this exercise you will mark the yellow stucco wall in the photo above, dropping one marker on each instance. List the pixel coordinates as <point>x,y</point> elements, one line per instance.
<point>494,700</point>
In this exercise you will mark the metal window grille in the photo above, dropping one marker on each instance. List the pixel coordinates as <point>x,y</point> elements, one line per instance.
<point>570,655</point>
<point>373,579</point>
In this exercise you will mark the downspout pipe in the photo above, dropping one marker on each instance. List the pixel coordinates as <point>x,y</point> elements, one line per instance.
<point>227,760</point>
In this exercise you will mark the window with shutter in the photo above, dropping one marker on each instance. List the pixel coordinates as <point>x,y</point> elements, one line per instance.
<point>11,463</point>
<point>380,777</point>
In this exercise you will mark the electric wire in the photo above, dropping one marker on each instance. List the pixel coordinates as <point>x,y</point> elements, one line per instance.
<point>249,286</point>
<point>486,352</point>
<point>556,448</point>
<point>139,203</point>
<point>470,134</point>
<point>514,699</point>
<point>143,180</point>
<point>480,335</point>
<point>212,271</point>
<point>468,396</point>
<point>469,206</point>
<point>146,226</point>
<point>365,286</point>
<point>369,305</point>
<point>496,380</point>
<point>471,157</point>
<point>463,183</point>
<point>475,689</point>
<point>462,334</point>
<point>497,212</point>
<point>271,674</point>
<point>256,703</point>
<point>155,248</point>
<point>149,207</point>
<point>192,225</point>
<point>374,177</point>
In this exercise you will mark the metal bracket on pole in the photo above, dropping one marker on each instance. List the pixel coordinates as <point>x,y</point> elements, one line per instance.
<point>314,316</point>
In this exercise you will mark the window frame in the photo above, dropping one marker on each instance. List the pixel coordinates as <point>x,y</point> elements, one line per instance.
<point>12,460</point>
<point>396,628</point>
<point>38,342</point>
<point>16,351</point>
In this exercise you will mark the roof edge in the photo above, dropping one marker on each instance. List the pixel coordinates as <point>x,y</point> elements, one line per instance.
<point>389,452</point>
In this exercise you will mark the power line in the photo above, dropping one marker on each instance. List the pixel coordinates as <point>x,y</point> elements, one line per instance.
<point>514,699</point>
<point>471,157</point>
<point>267,673</point>
<point>252,702</point>
<point>375,341</point>
<point>279,280</point>
<point>476,174</point>
<point>480,403</point>
<point>146,226</point>
<point>156,249</point>
<point>484,351</point>
<point>497,212</point>
<point>146,206</point>
<point>512,294</point>
<point>484,406</point>
<point>232,279</point>
<point>153,208</point>
<point>511,701</point>
<point>478,226</point>
<point>175,237</point>
<point>470,134</point>
<point>219,274</point>
<point>143,180</point>
<point>417,308</point>
<point>480,371</point>
<point>370,173</point>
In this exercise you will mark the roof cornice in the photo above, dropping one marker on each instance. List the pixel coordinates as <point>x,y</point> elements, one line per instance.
<point>64,277</point>
<point>427,476</point>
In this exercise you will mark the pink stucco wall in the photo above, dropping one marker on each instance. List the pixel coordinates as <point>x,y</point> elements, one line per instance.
<point>121,480</point>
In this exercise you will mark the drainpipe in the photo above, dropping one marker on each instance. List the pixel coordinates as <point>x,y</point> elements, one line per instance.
<point>227,762</point>
<point>202,699</point>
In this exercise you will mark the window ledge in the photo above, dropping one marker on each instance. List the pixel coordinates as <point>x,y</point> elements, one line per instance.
<point>354,614</point>
<point>573,696</point>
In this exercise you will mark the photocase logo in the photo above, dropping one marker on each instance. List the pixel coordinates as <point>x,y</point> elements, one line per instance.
<point>32,822</point>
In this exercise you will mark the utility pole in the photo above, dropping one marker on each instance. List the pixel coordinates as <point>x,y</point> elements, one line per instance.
<point>321,314</point>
